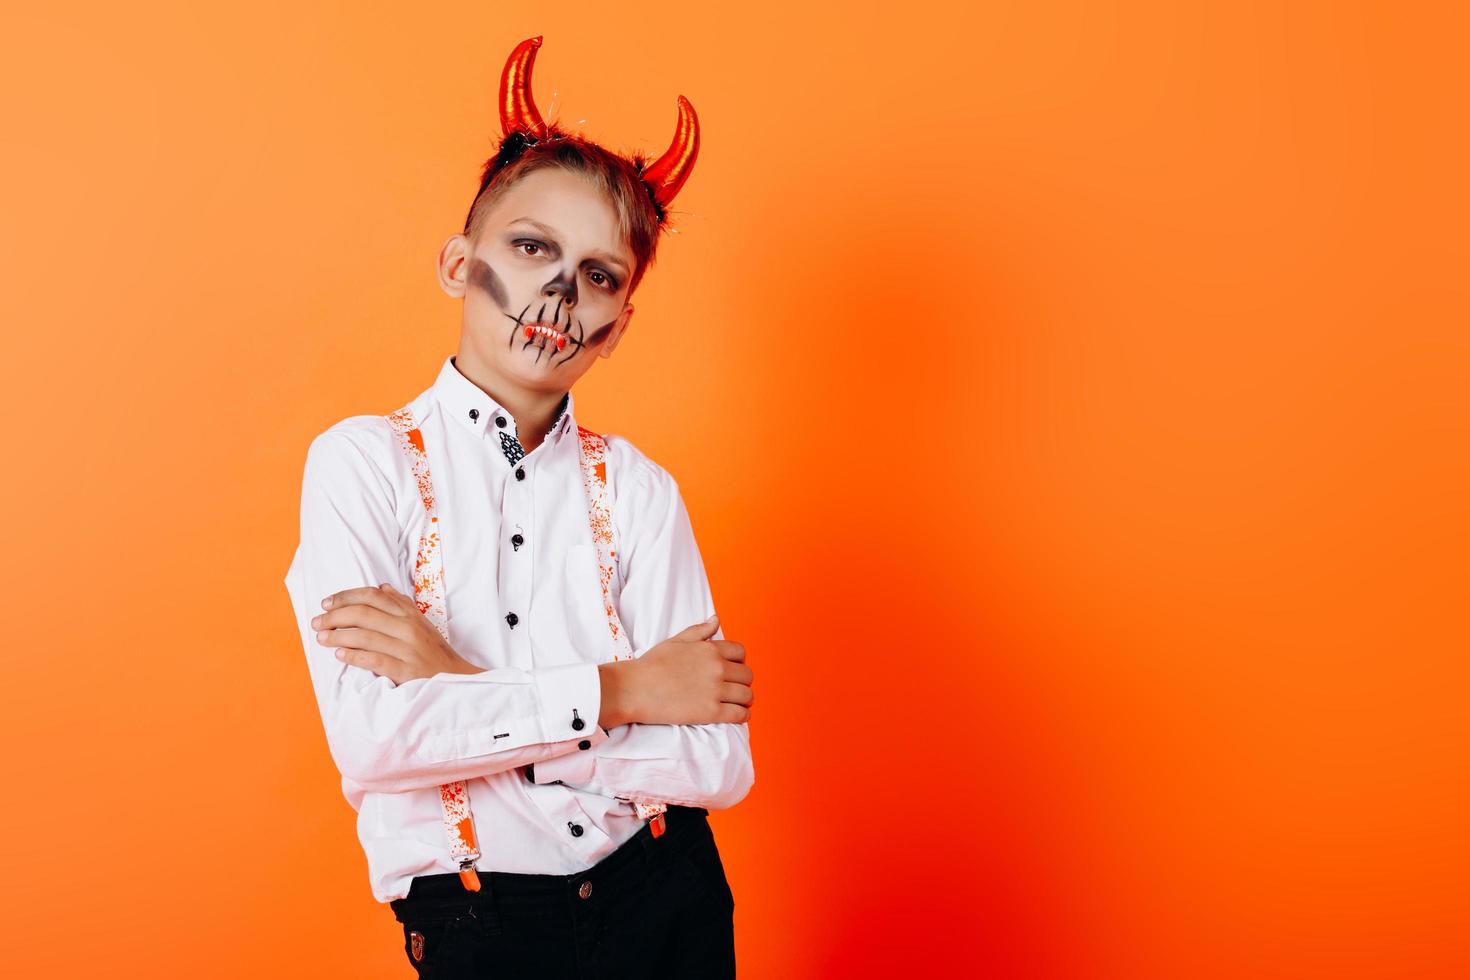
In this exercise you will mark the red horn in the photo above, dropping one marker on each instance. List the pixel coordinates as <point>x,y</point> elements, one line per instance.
<point>517,109</point>
<point>667,174</point>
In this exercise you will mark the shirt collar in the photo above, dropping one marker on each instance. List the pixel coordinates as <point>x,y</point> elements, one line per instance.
<point>471,406</point>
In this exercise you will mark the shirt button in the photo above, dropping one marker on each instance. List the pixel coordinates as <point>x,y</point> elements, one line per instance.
<point>512,619</point>
<point>500,421</point>
<point>576,829</point>
<point>474,414</point>
<point>584,744</point>
<point>520,473</point>
<point>577,723</point>
<point>586,890</point>
<point>517,540</point>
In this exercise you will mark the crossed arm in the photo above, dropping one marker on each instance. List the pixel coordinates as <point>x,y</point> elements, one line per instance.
<point>423,732</point>
<point>665,589</point>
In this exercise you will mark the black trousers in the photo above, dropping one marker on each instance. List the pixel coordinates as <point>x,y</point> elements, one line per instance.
<point>655,907</point>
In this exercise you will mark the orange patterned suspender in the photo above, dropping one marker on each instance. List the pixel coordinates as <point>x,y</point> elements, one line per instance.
<point>594,479</point>
<point>428,592</point>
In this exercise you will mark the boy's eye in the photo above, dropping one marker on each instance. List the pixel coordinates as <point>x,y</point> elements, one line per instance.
<point>596,275</point>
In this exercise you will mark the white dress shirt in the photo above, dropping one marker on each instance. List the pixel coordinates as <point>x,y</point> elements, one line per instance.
<point>531,613</point>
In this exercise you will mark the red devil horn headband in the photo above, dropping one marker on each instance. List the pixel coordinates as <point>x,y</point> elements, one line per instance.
<point>518,113</point>
<point>517,109</point>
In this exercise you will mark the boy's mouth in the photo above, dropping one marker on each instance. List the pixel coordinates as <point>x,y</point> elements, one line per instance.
<point>548,331</point>
<point>546,337</point>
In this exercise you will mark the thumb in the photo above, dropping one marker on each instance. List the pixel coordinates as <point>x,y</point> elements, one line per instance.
<point>700,631</point>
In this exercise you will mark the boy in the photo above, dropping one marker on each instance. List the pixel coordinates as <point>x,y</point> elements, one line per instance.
<point>506,617</point>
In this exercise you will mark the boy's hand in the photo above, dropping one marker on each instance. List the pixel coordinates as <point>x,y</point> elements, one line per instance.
<point>688,679</point>
<point>382,630</point>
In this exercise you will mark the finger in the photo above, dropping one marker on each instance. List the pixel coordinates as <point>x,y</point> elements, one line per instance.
<point>730,650</point>
<point>737,673</point>
<point>736,693</point>
<point>732,714</point>
<point>699,630</point>
<point>366,617</point>
<point>364,639</point>
<point>393,593</point>
<point>380,664</point>
<point>368,595</point>
<point>401,604</point>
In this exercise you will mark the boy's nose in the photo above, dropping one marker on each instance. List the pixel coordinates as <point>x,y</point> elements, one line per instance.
<point>565,288</point>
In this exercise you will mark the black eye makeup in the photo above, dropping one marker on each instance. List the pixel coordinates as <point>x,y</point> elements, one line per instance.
<point>608,282</point>
<point>523,242</point>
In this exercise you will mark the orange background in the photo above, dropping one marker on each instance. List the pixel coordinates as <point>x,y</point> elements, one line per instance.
<point>1071,405</point>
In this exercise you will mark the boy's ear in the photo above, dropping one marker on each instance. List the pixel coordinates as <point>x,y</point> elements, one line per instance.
<point>619,328</point>
<point>454,265</point>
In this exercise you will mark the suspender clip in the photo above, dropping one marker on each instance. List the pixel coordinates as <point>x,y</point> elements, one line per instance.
<point>657,823</point>
<point>467,875</point>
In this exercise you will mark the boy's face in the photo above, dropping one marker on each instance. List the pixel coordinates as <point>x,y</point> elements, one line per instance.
<point>548,257</point>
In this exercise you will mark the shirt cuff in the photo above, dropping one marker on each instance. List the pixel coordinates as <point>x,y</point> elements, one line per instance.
<point>573,767</point>
<point>570,699</point>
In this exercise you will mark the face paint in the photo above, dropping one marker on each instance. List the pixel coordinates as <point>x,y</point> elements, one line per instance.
<point>484,277</point>
<point>570,337</point>
<point>548,332</point>
<point>573,338</point>
<point>566,285</point>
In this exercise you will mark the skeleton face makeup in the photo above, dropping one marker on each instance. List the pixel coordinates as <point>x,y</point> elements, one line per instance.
<point>546,278</point>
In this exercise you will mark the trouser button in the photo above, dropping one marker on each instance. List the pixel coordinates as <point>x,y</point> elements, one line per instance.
<point>585,890</point>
